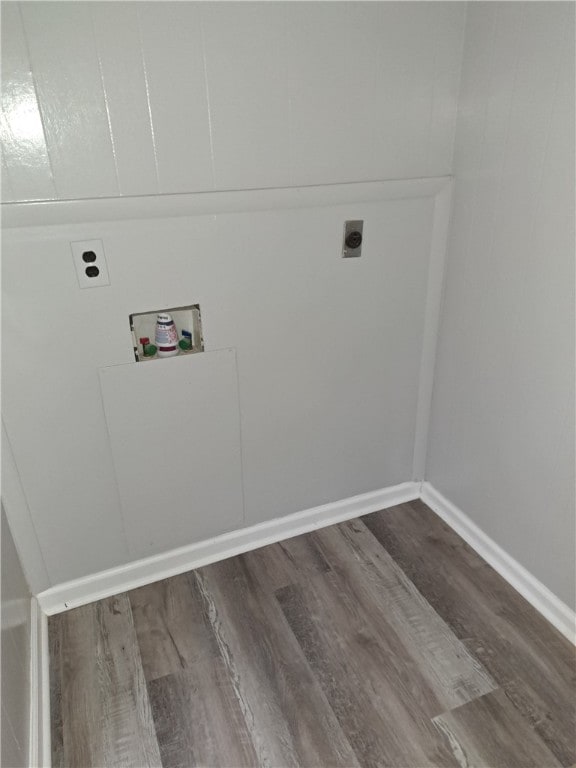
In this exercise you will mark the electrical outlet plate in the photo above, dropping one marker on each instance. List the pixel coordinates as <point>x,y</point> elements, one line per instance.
<point>352,239</point>
<point>90,263</point>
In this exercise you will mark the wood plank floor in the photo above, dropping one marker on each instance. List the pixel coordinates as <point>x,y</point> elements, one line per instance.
<point>385,641</point>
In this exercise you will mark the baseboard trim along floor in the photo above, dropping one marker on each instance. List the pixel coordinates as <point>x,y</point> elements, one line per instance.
<point>116,580</point>
<point>381,640</point>
<point>39,747</point>
<point>72,594</point>
<point>85,590</point>
<point>532,590</point>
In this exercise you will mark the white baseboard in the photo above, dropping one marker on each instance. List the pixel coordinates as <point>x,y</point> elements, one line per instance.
<point>538,595</point>
<point>85,590</point>
<point>39,753</point>
<point>106,583</point>
<point>78,592</point>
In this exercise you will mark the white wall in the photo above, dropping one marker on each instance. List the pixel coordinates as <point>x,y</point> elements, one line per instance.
<point>122,99</point>
<point>126,98</point>
<point>502,432</point>
<point>15,655</point>
<point>328,353</point>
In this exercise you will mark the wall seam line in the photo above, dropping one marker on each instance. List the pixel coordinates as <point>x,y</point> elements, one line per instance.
<point>106,104</point>
<point>208,102</point>
<point>24,496</point>
<point>148,101</point>
<point>38,104</point>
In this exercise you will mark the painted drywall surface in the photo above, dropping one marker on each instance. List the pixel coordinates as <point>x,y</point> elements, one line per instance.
<point>502,431</point>
<point>20,520</point>
<point>174,430</point>
<point>124,98</point>
<point>15,655</point>
<point>328,353</point>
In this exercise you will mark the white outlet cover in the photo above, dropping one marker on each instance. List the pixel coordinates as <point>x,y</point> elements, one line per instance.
<point>78,251</point>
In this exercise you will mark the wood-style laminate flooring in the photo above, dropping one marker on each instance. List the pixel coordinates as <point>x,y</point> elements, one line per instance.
<point>385,641</point>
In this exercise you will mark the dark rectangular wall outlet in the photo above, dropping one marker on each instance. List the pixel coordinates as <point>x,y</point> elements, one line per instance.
<point>352,245</point>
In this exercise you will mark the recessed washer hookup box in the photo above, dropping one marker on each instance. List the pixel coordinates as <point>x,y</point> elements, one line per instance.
<point>188,322</point>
